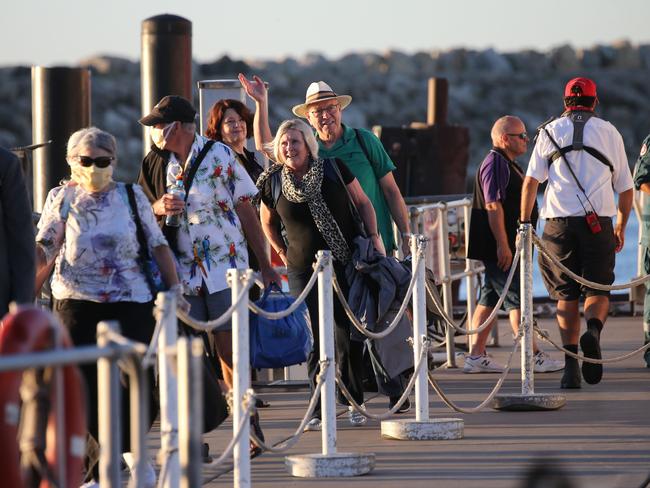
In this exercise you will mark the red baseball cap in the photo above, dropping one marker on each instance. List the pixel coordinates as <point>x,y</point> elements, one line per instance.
<point>580,87</point>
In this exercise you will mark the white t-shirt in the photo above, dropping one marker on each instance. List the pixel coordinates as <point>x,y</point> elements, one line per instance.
<point>562,196</point>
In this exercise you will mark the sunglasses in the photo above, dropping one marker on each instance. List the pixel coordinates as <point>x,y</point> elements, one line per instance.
<point>521,135</point>
<point>100,162</point>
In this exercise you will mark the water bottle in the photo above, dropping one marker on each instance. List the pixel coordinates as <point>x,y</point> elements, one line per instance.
<point>176,189</point>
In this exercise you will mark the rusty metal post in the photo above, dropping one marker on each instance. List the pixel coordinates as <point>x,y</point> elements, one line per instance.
<point>438,94</point>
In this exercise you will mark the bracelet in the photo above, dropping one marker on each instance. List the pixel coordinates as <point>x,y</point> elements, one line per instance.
<point>519,222</point>
<point>373,235</point>
<point>280,252</point>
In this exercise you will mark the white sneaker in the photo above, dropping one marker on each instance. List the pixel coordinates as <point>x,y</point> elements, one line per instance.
<point>356,418</point>
<point>149,477</point>
<point>90,484</point>
<point>481,364</point>
<point>313,425</point>
<point>545,363</point>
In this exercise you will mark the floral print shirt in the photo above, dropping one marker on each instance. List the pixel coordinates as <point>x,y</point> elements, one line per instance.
<point>210,238</point>
<point>96,246</point>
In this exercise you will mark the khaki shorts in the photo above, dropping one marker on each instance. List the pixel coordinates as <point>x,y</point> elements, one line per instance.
<point>591,256</point>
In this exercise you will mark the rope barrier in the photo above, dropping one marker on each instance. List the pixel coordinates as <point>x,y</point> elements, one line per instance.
<point>435,297</point>
<point>249,405</point>
<point>591,284</point>
<point>297,302</point>
<point>447,401</point>
<point>289,442</point>
<point>398,317</point>
<point>407,391</point>
<point>209,325</point>
<point>544,335</point>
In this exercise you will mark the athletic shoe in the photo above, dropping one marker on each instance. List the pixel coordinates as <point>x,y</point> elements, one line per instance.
<point>481,364</point>
<point>545,364</point>
<point>313,425</point>
<point>571,377</point>
<point>356,418</point>
<point>405,407</point>
<point>90,484</point>
<point>149,475</point>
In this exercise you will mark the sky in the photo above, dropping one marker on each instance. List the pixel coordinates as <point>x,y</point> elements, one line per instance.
<point>63,32</point>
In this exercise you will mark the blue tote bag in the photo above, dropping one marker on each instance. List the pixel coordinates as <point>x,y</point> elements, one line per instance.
<point>282,342</point>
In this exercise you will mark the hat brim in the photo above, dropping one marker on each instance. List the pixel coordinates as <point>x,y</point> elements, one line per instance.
<point>301,110</point>
<point>152,119</point>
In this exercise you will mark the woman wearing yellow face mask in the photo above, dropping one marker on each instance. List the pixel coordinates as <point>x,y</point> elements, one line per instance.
<point>88,230</point>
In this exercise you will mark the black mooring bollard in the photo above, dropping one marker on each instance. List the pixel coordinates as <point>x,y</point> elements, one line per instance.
<point>60,106</point>
<point>166,65</point>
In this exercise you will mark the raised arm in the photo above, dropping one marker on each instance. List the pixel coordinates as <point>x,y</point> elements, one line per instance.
<point>262,131</point>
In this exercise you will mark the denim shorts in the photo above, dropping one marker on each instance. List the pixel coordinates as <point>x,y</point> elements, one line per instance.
<point>494,281</point>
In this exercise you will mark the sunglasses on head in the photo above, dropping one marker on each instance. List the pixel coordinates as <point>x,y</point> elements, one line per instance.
<point>100,161</point>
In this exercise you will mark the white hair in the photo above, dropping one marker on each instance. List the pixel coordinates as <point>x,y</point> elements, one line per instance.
<point>91,137</point>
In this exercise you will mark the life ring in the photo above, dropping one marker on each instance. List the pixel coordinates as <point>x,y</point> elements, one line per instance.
<point>26,330</point>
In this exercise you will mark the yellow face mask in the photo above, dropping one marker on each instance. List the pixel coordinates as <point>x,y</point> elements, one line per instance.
<point>92,178</point>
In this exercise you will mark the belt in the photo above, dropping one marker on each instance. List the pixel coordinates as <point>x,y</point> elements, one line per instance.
<point>580,218</point>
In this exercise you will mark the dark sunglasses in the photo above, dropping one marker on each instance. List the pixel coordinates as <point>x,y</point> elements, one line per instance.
<point>100,162</point>
<point>521,135</point>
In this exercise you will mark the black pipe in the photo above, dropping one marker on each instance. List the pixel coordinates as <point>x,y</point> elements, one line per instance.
<point>60,106</point>
<point>166,67</point>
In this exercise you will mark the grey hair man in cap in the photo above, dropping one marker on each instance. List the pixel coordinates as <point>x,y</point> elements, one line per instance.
<point>217,217</point>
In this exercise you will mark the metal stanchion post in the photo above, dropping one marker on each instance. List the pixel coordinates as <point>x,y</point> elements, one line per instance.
<point>108,402</point>
<point>528,399</point>
<point>139,415</point>
<point>422,428</point>
<point>445,272</point>
<point>168,381</point>
<point>330,463</point>
<point>470,281</point>
<point>241,379</point>
<point>190,418</point>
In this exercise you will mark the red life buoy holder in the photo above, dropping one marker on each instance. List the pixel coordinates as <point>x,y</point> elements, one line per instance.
<point>27,330</point>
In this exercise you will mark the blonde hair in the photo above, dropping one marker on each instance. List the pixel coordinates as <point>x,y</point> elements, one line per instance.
<point>273,147</point>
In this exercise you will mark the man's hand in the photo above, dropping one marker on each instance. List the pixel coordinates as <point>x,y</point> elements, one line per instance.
<point>168,205</point>
<point>378,244</point>
<point>269,275</point>
<point>619,234</point>
<point>406,246</point>
<point>504,257</point>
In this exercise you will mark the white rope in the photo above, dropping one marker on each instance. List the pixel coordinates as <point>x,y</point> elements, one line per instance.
<point>248,404</point>
<point>398,317</point>
<point>209,325</point>
<point>591,284</point>
<point>289,442</point>
<point>443,396</point>
<point>544,335</point>
<point>407,391</point>
<point>435,297</point>
<point>297,302</point>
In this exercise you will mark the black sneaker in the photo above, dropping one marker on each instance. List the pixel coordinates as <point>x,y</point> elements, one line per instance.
<point>405,407</point>
<point>590,345</point>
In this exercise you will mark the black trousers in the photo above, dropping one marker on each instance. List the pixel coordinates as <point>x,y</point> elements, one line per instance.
<point>80,318</point>
<point>349,353</point>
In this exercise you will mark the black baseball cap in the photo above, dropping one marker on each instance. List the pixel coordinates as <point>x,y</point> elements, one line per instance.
<point>169,109</point>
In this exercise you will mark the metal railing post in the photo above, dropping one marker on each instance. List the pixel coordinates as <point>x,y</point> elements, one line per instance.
<point>326,334</point>
<point>241,378</point>
<point>108,403</point>
<point>418,244</point>
<point>526,276</point>
<point>168,381</point>
<point>445,278</point>
<point>470,280</point>
<point>139,415</point>
<point>190,418</point>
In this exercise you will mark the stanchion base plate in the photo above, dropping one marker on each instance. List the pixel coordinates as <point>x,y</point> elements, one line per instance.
<point>335,465</point>
<point>527,403</point>
<point>425,430</point>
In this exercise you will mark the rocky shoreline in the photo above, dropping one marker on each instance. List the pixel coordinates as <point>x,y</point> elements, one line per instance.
<point>388,89</point>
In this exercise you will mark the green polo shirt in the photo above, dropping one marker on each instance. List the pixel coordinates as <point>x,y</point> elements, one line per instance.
<point>642,175</point>
<point>348,150</point>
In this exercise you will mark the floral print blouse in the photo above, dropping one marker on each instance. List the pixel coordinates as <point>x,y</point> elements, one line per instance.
<point>96,247</point>
<point>210,238</point>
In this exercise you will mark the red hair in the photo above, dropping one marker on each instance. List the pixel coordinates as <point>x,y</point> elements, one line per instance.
<point>216,114</point>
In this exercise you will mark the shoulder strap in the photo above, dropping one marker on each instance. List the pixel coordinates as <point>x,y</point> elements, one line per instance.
<point>579,120</point>
<point>187,182</point>
<point>143,252</point>
<point>362,143</point>
<point>332,163</point>
<point>66,202</point>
